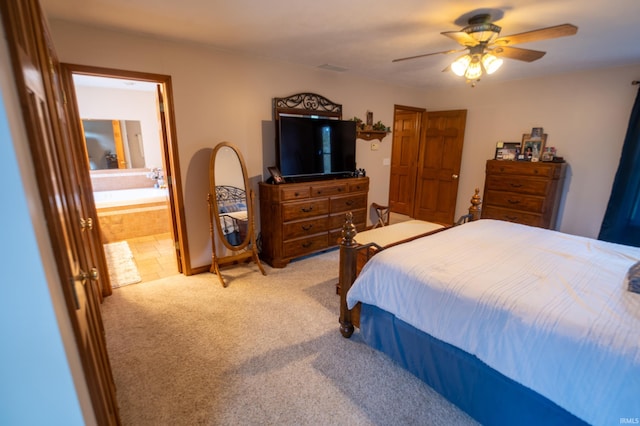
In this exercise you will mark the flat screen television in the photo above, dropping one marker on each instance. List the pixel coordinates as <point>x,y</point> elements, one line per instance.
<point>310,147</point>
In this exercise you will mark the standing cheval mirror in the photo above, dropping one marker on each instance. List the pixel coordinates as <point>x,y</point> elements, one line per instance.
<point>230,210</point>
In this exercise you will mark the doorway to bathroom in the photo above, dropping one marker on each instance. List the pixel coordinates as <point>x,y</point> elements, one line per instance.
<point>128,136</point>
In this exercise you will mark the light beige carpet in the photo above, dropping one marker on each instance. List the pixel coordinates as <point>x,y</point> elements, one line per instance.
<point>266,350</point>
<point>122,267</point>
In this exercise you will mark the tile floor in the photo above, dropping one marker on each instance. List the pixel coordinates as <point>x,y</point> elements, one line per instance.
<point>155,256</point>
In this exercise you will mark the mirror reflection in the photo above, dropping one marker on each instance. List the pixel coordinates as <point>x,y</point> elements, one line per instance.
<point>114,144</point>
<point>231,196</point>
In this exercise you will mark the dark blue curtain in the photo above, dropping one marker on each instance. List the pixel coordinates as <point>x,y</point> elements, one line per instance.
<point>621,223</point>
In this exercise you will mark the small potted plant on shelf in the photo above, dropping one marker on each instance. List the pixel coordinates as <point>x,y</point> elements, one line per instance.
<point>359,123</point>
<point>380,127</point>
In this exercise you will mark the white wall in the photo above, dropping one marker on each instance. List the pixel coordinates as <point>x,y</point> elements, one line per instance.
<point>585,115</point>
<point>221,96</point>
<point>227,97</point>
<point>117,104</point>
<point>42,379</point>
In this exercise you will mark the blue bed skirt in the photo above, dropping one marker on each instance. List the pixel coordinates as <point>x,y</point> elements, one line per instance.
<point>486,395</point>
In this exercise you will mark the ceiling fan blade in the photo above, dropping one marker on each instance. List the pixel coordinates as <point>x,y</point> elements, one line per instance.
<point>461,37</point>
<point>535,35</point>
<point>444,52</point>
<point>517,53</point>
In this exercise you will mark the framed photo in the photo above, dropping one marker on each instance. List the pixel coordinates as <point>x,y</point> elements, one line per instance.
<point>275,174</point>
<point>507,151</point>
<point>537,132</point>
<point>532,148</point>
<point>369,118</point>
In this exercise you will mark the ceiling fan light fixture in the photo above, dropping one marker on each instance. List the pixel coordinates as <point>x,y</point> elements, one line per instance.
<point>474,70</point>
<point>484,32</point>
<point>459,66</point>
<point>491,63</point>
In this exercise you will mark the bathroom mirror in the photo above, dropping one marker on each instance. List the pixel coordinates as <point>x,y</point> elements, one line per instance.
<point>114,144</point>
<point>231,217</point>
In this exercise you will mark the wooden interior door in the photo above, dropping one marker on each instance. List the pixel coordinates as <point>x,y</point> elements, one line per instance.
<point>171,170</point>
<point>438,166</point>
<point>90,224</point>
<point>407,123</point>
<point>36,72</point>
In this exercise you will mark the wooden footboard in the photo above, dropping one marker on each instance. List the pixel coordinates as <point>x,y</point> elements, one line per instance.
<point>353,257</point>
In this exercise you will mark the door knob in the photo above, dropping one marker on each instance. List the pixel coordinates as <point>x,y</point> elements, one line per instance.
<point>454,176</point>
<point>84,276</point>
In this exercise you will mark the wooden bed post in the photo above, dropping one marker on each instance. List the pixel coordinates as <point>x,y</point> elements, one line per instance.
<point>347,273</point>
<point>475,210</point>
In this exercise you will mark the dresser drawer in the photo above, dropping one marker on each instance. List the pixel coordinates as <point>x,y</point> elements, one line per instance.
<point>304,209</point>
<point>325,190</point>
<point>301,228</point>
<point>336,220</point>
<point>359,185</point>
<point>518,184</point>
<point>288,193</point>
<point>543,170</point>
<point>512,200</point>
<point>525,218</point>
<point>305,245</point>
<point>348,202</point>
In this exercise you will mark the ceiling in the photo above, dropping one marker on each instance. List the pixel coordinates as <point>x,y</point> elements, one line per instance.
<point>361,38</point>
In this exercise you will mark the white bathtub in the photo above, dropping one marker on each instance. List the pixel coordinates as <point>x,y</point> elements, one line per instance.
<point>130,197</point>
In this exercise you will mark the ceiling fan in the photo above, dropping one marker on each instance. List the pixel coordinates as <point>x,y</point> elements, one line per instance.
<point>486,49</point>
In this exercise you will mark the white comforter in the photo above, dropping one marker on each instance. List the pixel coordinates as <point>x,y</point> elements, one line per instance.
<point>547,309</point>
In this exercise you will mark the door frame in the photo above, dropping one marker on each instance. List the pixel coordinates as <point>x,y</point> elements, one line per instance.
<point>169,138</point>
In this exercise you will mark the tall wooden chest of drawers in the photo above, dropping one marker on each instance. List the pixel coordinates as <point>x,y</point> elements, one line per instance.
<point>523,192</point>
<point>297,219</point>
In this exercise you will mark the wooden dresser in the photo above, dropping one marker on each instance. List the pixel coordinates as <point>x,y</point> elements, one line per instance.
<point>298,219</point>
<point>523,192</point>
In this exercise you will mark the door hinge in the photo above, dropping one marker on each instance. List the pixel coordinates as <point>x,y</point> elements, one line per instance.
<point>86,223</point>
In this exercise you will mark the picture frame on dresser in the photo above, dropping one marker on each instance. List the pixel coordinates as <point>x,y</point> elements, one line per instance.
<point>507,151</point>
<point>275,174</point>
<point>531,145</point>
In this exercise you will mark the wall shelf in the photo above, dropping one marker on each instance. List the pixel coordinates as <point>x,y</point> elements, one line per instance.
<point>370,135</point>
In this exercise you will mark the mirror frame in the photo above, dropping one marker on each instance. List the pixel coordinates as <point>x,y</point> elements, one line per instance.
<point>247,249</point>
<point>215,212</point>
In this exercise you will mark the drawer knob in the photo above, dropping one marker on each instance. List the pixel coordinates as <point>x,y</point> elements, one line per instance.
<point>306,209</point>
<point>511,218</point>
<point>306,244</point>
<point>514,201</point>
<point>515,185</point>
<point>307,227</point>
<point>295,194</point>
<point>339,189</point>
<point>319,192</point>
<point>349,202</point>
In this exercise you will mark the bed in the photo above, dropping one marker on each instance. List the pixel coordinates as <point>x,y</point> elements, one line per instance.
<point>232,208</point>
<point>514,324</point>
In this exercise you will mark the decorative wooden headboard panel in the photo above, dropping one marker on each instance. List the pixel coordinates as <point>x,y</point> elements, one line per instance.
<point>306,104</point>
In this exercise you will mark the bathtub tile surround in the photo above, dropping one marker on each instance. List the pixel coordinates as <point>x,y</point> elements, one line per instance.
<point>129,203</point>
<point>123,223</point>
<point>114,179</point>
